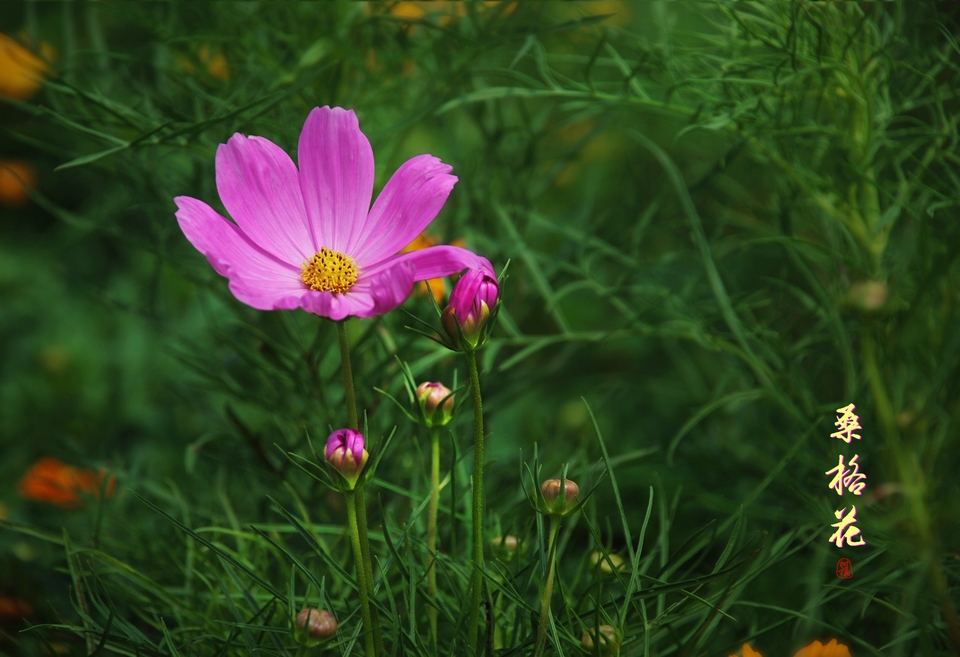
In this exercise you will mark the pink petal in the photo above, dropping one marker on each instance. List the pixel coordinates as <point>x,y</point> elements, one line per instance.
<point>336,176</point>
<point>257,278</point>
<point>408,203</point>
<point>391,287</point>
<point>260,188</point>
<point>436,262</point>
<point>264,297</point>
<point>338,306</point>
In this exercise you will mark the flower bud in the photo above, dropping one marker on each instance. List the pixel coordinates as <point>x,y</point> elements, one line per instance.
<point>606,562</point>
<point>868,296</point>
<point>436,411</point>
<point>314,626</point>
<point>557,504</point>
<point>346,453</point>
<point>505,547</point>
<point>473,299</point>
<point>608,639</point>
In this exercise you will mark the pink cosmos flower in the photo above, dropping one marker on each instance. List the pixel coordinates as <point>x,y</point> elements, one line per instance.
<point>308,238</point>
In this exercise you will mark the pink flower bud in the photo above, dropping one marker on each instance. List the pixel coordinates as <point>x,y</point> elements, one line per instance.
<point>315,626</point>
<point>346,453</point>
<point>557,505</point>
<point>473,299</point>
<point>437,411</point>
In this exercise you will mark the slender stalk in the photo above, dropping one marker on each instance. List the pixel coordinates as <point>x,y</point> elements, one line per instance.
<point>432,531</point>
<point>368,566</point>
<point>547,592</point>
<point>302,650</point>
<point>477,579</point>
<point>361,574</point>
<point>362,549</point>
<point>351,398</point>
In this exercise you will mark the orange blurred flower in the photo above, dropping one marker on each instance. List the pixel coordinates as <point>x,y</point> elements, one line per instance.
<point>15,177</point>
<point>747,651</point>
<point>437,286</point>
<point>443,10</point>
<point>817,649</point>
<point>214,62</point>
<point>21,71</point>
<point>52,481</point>
<point>12,608</point>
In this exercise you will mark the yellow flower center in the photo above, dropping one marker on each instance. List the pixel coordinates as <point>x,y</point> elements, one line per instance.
<point>329,271</point>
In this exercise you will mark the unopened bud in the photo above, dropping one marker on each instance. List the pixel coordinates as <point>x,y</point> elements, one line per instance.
<point>472,301</point>
<point>556,503</point>
<point>437,403</point>
<point>606,562</point>
<point>314,626</point>
<point>505,547</point>
<point>345,451</point>
<point>606,637</point>
<point>868,296</point>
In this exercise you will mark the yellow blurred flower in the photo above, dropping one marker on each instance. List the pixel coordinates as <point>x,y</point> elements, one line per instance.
<point>214,62</point>
<point>817,649</point>
<point>372,64</point>
<point>21,71</point>
<point>747,651</point>
<point>15,177</point>
<point>444,11</point>
<point>621,15</point>
<point>437,286</point>
<point>591,146</point>
<point>441,11</point>
<point>412,10</point>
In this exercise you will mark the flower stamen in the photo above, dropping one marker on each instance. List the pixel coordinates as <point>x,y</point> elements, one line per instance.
<point>329,271</point>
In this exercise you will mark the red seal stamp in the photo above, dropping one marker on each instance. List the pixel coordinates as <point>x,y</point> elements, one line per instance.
<point>844,568</point>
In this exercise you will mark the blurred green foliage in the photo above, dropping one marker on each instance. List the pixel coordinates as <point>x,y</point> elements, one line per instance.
<point>724,220</point>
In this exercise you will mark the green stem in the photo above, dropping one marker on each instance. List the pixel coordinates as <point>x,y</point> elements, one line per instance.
<point>432,531</point>
<point>368,566</point>
<point>547,591</point>
<point>347,377</point>
<point>362,549</point>
<point>361,574</point>
<point>477,579</point>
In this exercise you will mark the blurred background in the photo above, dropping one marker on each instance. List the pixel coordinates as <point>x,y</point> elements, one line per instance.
<point>724,221</point>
